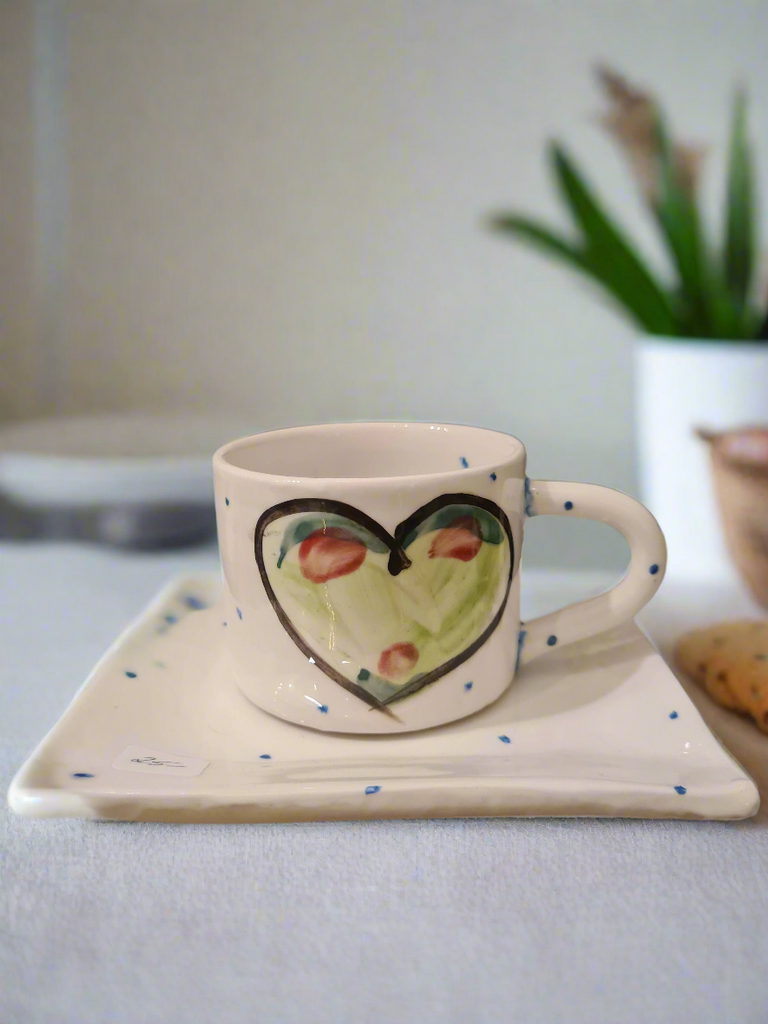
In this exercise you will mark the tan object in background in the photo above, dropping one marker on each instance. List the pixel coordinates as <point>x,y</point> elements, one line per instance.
<point>731,662</point>
<point>740,474</point>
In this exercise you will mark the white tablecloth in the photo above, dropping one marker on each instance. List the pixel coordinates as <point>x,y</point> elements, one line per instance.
<point>539,922</point>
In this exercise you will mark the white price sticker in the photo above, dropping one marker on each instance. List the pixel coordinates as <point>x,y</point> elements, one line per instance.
<point>157,762</point>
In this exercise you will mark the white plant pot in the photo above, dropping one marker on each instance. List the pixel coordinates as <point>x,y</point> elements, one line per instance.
<point>679,386</point>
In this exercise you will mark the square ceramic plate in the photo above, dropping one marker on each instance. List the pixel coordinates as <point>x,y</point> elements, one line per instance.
<point>160,732</point>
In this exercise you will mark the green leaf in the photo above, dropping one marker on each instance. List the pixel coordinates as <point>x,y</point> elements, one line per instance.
<point>554,245</point>
<point>540,236</point>
<point>707,308</point>
<point>678,218</point>
<point>740,242</point>
<point>609,256</point>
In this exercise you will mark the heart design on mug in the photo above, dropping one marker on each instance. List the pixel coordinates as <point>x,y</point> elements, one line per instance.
<point>385,615</point>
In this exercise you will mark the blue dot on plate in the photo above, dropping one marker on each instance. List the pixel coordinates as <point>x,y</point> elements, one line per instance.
<point>371,789</point>
<point>653,569</point>
<point>505,739</point>
<point>363,674</point>
<point>551,640</point>
<point>673,714</point>
<point>568,506</point>
<point>265,757</point>
<point>82,775</point>
<point>464,462</point>
<point>493,476</point>
<point>170,619</point>
<point>239,613</point>
<point>226,501</point>
<point>467,686</point>
<point>323,708</point>
<point>194,602</point>
<point>131,675</point>
<point>681,790</point>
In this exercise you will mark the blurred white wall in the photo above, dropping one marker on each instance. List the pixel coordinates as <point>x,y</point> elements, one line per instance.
<point>276,206</point>
<point>18,370</point>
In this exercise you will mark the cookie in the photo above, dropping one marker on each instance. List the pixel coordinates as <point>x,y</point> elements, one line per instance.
<point>731,662</point>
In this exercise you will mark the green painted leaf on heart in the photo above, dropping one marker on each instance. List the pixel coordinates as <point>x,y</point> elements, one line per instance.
<point>302,527</point>
<point>489,526</point>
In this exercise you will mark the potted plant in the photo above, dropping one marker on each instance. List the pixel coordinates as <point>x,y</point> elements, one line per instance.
<point>702,351</point>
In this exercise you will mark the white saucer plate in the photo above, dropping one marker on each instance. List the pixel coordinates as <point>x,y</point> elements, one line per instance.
<point>159,732</point>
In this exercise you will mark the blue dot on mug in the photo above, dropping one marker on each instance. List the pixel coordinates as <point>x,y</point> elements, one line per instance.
<point>505,739</point>
<point>226,501</point>
<point>673,714</point>
<point>568,506</point>
<point>369,790</point>
<point>467,686</point>
<point>131,675</point>
<point>551,640</point>
<point>464,463</point>
<point>194,602</point>
<point>265,757</point>
<point>323,708</point>
<point>681,790</point>
<point>493,476</point>
<point>239,613</point>
<point>82,775</point>
<point>653,569</point>
<point>520,641</point>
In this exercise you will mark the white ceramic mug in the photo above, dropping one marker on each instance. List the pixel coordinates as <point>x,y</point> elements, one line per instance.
<point>371,570</point>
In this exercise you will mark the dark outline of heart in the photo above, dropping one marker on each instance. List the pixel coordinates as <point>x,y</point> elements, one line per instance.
<point>398,560</point>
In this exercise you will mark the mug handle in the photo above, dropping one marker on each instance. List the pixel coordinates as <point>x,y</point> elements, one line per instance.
<point>648,560</point>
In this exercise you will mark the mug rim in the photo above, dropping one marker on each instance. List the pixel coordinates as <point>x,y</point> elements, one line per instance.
<point>222,465</point>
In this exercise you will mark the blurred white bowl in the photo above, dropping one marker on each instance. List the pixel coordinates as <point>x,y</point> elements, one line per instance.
<point>130,459</point>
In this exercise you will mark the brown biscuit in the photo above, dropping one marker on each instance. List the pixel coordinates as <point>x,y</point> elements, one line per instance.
<point>731,662</point>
